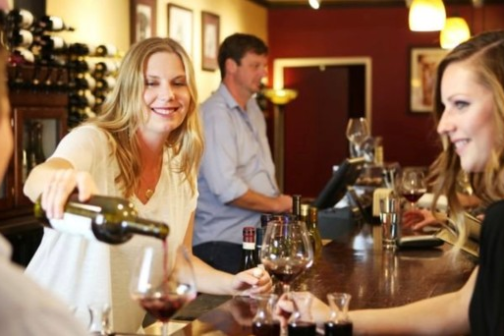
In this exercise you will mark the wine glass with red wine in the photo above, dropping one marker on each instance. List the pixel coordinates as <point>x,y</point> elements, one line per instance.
<point>286,251</point>
<point>163,284</point>
<point>413,185</point>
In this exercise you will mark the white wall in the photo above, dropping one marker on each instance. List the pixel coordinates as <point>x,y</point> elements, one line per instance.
<point>108,21</point>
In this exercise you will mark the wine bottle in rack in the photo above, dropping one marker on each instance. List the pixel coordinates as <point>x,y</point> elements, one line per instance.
<point>20,18</point>
<point>51,23</point>
<point>106,83</point>
<point>105,67</point>
<point>79,49</point>
<point>83,81</point>
<point>111,220</point>
<point>50,43</point>
<point>19,38</point>
<point>81,98</point>
<point>21,56</point>
<point>81,65</point>
<point>106,50</point>
<point>100,97</point>
<point>296,207</point>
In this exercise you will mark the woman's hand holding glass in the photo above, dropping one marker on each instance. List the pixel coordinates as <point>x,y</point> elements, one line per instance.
<point>252,281</point>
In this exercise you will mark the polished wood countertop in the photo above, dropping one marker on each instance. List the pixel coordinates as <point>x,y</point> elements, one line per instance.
<point>358,265</point>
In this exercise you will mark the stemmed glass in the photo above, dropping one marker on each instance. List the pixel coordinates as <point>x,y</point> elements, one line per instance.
<point>413,185</point>
<point>286,251</point>
<point>357,132</point>
<point>163,286</point>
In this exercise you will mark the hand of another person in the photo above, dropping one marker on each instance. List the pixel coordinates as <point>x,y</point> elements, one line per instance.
<point>252,281</point>
<point>417,219</point>
<point>286,305</point>
<point>61,184</point>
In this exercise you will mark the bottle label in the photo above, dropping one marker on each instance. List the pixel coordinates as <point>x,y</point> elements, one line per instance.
<point>73,224</point>
<point>57,23</point>
<point>248,246</point>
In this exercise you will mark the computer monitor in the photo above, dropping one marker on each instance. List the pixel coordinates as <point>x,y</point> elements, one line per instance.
<point>335,189</point>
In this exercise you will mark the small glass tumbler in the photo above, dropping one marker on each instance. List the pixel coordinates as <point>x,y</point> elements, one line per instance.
<point>301,322</point>
<point>99,319</point>
<point>390,214</point>
<point>264,323</point>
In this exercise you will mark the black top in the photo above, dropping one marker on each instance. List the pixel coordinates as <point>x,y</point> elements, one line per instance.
<point>486,311</point>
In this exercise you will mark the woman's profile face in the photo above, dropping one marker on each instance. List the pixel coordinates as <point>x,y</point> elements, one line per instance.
<point>467,119</point>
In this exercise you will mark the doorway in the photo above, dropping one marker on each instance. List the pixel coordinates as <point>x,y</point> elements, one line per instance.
<point>313,125</point>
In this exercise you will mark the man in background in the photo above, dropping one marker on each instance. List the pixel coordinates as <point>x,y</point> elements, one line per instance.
<point>237,177</point>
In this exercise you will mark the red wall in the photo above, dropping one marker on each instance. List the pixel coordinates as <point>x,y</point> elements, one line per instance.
<point>383,35</point>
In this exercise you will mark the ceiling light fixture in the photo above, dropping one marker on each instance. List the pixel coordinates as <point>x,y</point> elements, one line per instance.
<point>315,4</point>
<point>427,15</point>
<point>455,31</point>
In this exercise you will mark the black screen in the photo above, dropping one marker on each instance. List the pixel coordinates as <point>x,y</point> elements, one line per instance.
<point>334,190</point>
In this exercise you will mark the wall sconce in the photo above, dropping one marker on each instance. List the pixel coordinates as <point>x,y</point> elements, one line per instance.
<point>280,96</point>
<point>315,4</point>
<point>455,31</point>
<point>427,15</point>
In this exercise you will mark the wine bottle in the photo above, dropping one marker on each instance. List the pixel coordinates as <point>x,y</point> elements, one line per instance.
<point>20,18</point>
<point>106,83</point>
<point>20,56</point>
<point>248,249</point>
<point>296,207</point>
<point>81,65</point>
<point>81,98</point>
<point>52,24</point>
<point>50,43</point>
<point>112,220</point>
<point>79,49</point>
<point>106,50</point>
<point>82,81</point>
<point>19,38</point>
<point>105,68</point>
<point>313,231</point>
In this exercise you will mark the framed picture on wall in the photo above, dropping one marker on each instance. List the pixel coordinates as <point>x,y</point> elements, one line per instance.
<point>142,19</point>
<point>210,27</point>
<point>423,67</point>
<point>180,26</point>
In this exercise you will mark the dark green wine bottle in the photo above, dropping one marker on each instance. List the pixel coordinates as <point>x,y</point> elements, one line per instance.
<point>112,220</point>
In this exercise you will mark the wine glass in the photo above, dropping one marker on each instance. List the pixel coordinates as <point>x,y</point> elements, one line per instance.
<point>357,132</point>
<point>163,286</point>
<point>286,251</point>
<point>413,185</point>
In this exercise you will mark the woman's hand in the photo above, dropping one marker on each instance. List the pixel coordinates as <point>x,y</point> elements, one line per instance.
<point>417,219</point>
<point>61,184</point>
<point>252,281</point>
<point>287,304</point>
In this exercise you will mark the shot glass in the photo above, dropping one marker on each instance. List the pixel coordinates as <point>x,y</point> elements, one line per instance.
<point>390,214</point>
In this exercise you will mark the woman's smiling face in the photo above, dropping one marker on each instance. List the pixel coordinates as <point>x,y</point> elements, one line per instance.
<point>467,119</point>
<point>166,93</point>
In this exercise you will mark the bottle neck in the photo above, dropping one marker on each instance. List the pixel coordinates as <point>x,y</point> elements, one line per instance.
<point>146,228</point>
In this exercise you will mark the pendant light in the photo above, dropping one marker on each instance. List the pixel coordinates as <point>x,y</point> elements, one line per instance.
<point>455,31</point>
<point>315,4</point>
<point>427,15</point>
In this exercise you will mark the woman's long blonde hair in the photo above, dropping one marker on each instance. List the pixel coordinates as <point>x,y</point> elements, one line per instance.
<point>484,54</point>
<point>121,116</point>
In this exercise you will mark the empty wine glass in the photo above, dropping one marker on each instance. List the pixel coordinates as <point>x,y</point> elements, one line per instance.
<point>413,185</point>
<point>286,251</point>
<point>163,287</point>
<point>357,132</point>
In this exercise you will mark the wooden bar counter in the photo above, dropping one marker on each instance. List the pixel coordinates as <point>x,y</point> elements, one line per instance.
<point>357,265</point>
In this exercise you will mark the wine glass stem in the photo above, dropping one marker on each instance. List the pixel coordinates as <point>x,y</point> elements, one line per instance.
<point>164,329</point>
<point>285,288</point>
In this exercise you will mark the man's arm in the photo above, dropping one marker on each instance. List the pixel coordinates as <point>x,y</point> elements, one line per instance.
<point>252,200</point>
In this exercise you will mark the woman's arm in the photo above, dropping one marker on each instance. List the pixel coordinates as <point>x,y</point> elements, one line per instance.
<point>212,281</point>
<point>55,180</point>
<point>442,315</point>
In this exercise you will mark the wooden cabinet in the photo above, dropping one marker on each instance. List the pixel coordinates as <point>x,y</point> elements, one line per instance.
<point>48,112</point>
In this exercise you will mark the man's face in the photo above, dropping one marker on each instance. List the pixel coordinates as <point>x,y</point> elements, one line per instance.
<point>251,70</point>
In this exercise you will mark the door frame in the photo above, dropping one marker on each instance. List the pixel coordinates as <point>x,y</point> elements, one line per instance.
<point>279,65</point>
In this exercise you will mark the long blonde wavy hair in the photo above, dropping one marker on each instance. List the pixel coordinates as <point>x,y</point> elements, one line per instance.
<point>484,54</point>
<point>121,116</point>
